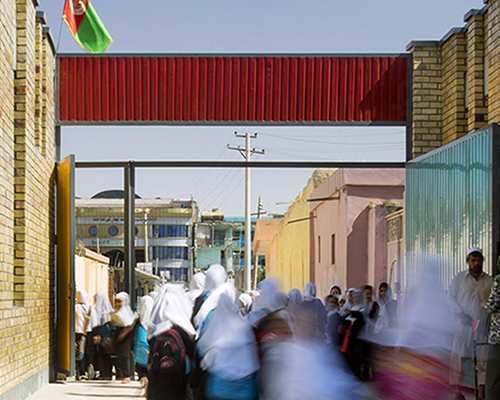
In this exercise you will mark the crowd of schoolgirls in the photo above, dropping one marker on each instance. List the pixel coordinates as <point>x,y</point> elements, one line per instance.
<point>212,343</point>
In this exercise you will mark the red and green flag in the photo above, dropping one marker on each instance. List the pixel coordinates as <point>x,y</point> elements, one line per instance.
<point>86,26</point>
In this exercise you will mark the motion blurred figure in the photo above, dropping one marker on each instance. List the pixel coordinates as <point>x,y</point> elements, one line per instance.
<point>171,346</point>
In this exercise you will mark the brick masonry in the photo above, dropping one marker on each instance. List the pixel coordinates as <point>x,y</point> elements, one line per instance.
<point>456,80</point>
<point>26,197</point>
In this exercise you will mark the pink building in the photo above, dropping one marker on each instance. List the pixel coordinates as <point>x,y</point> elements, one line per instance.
<point>348,227</point>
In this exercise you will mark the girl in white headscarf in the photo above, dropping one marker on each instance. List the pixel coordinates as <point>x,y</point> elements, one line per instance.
<point>171,335</point>
<point>229,352</point>
<point>352,346</point>
<point>123,319</point>
<point>85,320</point>
<point>215,277</point>
<point>312,315</point>
<point>245,303</point>
<point>102,334</point>
<point>141,345</point>
<point>294,299</point>
<point>196,286</point>
<point>388,307</point>
<point>103,308</point>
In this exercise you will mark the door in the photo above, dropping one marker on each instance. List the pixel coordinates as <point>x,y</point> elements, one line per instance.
<point>65,268</point>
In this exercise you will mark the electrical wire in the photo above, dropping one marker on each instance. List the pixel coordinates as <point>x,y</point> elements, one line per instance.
<point>213,190</point>
<point>207,171</point>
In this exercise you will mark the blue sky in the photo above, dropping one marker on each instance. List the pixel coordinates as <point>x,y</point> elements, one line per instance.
<point>251,26</point>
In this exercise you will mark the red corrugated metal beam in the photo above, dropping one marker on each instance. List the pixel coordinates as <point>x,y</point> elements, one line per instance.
<point>239,89</point>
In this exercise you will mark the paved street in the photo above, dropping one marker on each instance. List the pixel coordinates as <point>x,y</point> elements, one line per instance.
<point>71,390</point>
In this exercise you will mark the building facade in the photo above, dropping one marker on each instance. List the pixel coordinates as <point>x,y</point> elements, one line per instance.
<point>221,240</point>
<point>27,233</point>
<point>163,228</point>
<point>287,256</point>
<point>348,226</point>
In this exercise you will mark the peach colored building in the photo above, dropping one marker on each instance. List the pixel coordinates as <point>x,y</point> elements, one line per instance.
<point>264,242</point>
<point>348,226</point>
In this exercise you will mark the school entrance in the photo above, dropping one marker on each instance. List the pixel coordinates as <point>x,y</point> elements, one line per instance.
<point>210,89</point>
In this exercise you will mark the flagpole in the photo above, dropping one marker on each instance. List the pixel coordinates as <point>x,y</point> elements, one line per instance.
<point>60,28</point>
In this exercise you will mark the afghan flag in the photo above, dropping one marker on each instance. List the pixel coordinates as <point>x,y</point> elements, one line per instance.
<point>86,26</point>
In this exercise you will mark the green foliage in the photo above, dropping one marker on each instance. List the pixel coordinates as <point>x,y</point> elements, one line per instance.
<point>261,274</point>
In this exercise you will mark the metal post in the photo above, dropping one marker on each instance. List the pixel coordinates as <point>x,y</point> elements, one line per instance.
<point>146,235</point>
<point>129,219</point>
<point>248,227</point>
<point>256,257</point>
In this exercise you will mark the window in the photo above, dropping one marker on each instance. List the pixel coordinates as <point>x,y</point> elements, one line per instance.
<point>319,249</point>
<point>333,249</point>
<point>171,231</point>
<point>178,274</point>
<point>219,238</point>
<point>170,252</point>
<point>93,230</point>
<point>113,230</point>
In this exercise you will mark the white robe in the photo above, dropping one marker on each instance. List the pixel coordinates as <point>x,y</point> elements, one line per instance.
<point>465,295</point>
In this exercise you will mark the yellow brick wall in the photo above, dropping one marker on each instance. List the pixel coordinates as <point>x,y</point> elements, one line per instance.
<point>477,105</point>
<point>427,99</point>
<point>465,92</point>
<point>493,46</point>
<point>454,67</point>
<point>292,239</point>
<point>26,194</point>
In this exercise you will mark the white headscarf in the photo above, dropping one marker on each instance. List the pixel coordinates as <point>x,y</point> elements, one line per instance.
<point>124,316</point>
<point>309,292</point>
<point>81,312</point>
<point>383,316</point>
<point>228,343</point>
<point>197,285</point>
<point>361,301</point>
<point>145,308</point>
<point>82,297</point>
<point>216,276</point>
<point>153,295</point>
<point>294,299</point>
<point>103,308</point>
<point>246,300</point>
<point>172,307</point>
<point>335,286</point>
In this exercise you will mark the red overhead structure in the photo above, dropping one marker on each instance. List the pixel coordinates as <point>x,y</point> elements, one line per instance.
<point>233,89</point>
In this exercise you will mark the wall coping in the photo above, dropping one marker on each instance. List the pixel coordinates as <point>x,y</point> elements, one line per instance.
<point>436,43</point>
<point>475,12</point>
<point>48,34</point>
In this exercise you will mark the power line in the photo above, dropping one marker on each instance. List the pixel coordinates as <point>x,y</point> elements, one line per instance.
<point>207,171</point>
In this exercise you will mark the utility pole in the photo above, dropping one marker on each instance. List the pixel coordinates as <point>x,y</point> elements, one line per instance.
<point>256,258</point>
<point>248,224</point>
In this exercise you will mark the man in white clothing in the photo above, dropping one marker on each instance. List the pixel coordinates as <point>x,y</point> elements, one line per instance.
<point>468,290</point>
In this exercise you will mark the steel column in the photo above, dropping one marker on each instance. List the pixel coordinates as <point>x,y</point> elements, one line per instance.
<point>129,219</point>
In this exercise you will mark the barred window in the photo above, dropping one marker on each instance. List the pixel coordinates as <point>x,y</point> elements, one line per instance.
<point>171,231</point>
<point>178,274</point>
<point>170,252</point>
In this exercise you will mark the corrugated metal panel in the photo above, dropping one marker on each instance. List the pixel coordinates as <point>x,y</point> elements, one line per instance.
<point>449,207</point>
<point>209,89</point>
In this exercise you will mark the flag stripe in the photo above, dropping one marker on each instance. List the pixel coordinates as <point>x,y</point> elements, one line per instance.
<point>87,29</point>
<point>92,34</point>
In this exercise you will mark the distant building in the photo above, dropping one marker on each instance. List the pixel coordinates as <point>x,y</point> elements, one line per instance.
<point>288,254</point>
<point>163,228</point>
<point>221,240</point>
<point>348,228</point>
